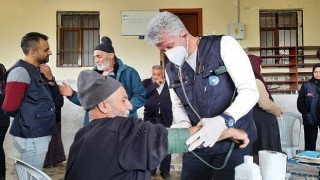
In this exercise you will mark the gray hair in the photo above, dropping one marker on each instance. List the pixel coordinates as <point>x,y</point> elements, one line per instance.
<point>157,67</point>
<point>163,22</point>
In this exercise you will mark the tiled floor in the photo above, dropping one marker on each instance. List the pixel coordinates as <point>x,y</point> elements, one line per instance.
<point>57,173</point>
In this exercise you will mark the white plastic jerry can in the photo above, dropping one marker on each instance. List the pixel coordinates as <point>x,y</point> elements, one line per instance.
<point>247,170</point>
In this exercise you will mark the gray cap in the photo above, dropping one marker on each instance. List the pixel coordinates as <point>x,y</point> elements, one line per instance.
<point>93,88</point>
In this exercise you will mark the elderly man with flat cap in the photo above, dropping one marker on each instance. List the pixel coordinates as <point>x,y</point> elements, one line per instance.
<point>107,63</point>
<point>117,146</point>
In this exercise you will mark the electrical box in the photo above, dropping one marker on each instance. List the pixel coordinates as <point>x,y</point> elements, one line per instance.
<point>236,30</point>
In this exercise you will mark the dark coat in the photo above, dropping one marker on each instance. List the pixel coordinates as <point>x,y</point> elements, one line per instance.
<point>268,131</point>
<point>308,103</point>
<point>4,119</point>
<point>116,148</point>
<point>157,104</point>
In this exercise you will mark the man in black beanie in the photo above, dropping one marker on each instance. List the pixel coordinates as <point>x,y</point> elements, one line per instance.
<point>114,146</point>
<point>107,63</point>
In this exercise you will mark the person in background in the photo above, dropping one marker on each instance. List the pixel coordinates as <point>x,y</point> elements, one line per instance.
<point>117,146</point>
<point>211,85</point>
<point>158,109</point>
<point>108,64</point>
<point>30,96</point>
<point>4,124</point>
<point>308,104</point>
<point>55,154</point>
<point>265,114</point>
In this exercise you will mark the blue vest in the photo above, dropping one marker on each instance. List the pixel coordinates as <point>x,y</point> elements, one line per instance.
<point>209,89</point>
<point>36,115</point>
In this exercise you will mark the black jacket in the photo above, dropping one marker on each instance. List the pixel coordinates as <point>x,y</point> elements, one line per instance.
<point>4,118</point>
<point>307,103</point>
<point>157,104</point>
<point>116,148</point>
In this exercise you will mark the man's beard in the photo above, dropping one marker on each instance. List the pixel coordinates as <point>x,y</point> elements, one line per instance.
<point>119,113</point>
<point>126,114</point>
<point>104,66</point>
<point>43,61</point>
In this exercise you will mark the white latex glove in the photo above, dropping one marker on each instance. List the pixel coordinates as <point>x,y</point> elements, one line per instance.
<point>208,134</point>
<point>182,124</point>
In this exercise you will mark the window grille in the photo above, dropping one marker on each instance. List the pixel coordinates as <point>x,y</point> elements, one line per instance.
<point>280,28</point>
<point>78,34</point>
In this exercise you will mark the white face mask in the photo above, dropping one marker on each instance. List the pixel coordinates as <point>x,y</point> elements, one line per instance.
<point>178,55</point>
<point>103,66</point>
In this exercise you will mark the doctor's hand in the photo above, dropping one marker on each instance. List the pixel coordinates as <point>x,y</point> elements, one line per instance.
<point>209,133</point>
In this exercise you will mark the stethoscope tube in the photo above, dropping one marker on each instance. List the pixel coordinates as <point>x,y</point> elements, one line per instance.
<point>198,116</point>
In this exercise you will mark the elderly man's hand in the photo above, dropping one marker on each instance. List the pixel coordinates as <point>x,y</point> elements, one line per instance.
<point>65,89</point>
<point>194,129</point>
<point>236,135</point>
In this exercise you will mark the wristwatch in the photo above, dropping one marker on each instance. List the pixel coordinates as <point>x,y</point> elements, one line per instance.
<point>52,80</point>
<point>228,120</point>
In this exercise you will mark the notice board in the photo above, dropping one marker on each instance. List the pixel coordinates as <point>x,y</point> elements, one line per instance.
<point>134,23</point>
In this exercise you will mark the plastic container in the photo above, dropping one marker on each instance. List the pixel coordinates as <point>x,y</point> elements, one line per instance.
<point>247,170</point>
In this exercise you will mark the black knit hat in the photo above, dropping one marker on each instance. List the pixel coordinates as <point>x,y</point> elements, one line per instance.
<point>93,88</point>
<point>106,45</point>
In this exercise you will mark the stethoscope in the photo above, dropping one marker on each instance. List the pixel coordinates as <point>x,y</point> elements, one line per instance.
<point>198,116</point>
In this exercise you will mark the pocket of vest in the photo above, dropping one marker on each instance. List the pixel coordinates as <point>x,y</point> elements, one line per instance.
<point>45,113</point>
<point>175,83</point>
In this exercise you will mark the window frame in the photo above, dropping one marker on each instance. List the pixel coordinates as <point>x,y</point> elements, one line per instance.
<point>276,25</point>
<point>61,32</point>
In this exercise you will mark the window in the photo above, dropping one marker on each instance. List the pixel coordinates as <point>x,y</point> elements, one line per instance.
<point>280,28</point>
<point>78,34</point>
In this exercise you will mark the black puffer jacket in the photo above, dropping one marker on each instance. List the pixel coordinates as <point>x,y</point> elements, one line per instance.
<point>308,102</point>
